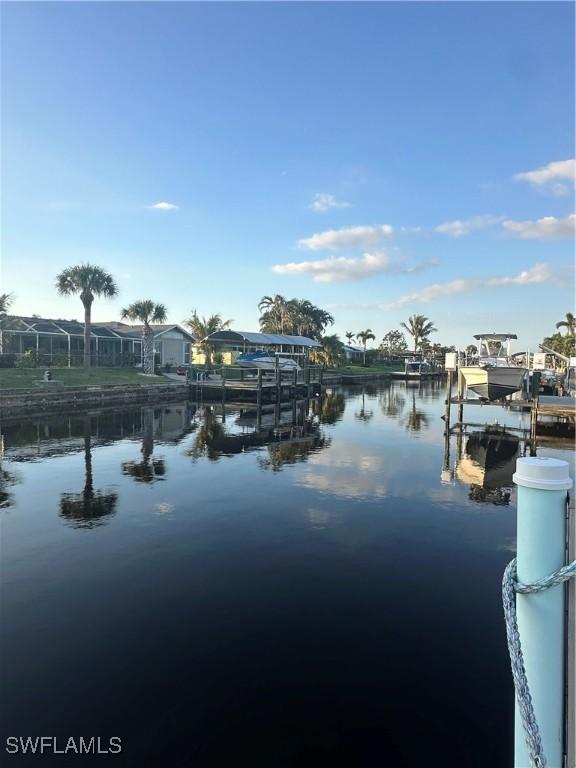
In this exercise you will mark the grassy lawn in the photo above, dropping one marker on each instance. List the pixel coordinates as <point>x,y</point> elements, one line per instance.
<point>26,377</point>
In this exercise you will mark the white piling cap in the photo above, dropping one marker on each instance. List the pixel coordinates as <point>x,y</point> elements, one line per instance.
<point>542,472</point>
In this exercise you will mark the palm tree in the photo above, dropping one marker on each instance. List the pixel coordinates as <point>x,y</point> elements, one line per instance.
<point>277,314</point>
<point>6,300</point>
<point>146,312</point>
<point>569,324</point>
<point>349,336</point>
<point>330,356</point>
<point>419,327</point>
<point>89,281</point>
<point>202,328</point>
<point>364,337</point>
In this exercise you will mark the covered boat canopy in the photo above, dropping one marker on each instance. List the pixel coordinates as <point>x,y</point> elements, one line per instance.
<point>261,339</point>
<point>495,336</point>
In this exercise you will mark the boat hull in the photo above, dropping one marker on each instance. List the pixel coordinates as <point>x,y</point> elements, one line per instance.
<point>493,383</point>
<point>268,363</point>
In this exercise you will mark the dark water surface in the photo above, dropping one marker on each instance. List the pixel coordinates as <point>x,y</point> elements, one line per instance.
<point>323,592</point>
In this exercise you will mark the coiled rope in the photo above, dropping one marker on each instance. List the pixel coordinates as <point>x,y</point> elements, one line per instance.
<point>511,585</point>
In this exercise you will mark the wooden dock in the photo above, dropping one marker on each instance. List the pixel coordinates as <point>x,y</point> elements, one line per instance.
<point>260,386</point>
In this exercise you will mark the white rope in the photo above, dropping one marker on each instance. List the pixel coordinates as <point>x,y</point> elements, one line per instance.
<point>510,586</point>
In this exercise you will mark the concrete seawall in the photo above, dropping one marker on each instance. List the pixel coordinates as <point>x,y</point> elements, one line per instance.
<point>16,402</point>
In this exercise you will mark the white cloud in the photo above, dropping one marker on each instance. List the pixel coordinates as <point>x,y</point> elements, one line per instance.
<point>346,269</point>
<point>459,227</point>
<point>547,228</point>
<point>163,206</point>
<point>333,239</point>
<point>431,292</point>
<point>539,273</point>
<point>559,170</point>
<point>323,202</point>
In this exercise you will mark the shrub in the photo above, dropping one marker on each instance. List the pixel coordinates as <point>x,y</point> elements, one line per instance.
<point>60,360</point>
<point>28,359</point>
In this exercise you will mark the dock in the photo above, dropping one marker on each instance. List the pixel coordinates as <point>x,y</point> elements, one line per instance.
<point>259,386</point>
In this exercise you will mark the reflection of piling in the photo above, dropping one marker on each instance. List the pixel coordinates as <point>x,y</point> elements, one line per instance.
<point>448,403</point>
<point>541,550</point>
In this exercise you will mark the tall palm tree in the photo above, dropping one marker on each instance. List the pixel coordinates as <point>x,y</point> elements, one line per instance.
<point>277,314</point>
<point>569,324</point>
<point>202,327</point>
<point>146,312</point>
<point>349,335</point>
<point>364,337</point>
<point>420,328</point>
<point>89,281</point>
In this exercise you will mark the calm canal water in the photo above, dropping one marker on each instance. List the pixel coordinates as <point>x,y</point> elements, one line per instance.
<point>320,588</point>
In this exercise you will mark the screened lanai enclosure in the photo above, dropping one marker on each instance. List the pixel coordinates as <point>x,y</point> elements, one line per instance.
<point>60,343</point>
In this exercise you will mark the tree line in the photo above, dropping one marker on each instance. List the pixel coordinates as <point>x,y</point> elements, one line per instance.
<point>293,317</point>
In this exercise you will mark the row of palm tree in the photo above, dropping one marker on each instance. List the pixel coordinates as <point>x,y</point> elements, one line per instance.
<point>295,317</point>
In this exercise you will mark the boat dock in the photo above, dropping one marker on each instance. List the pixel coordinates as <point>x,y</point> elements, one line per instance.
<point>259,386</point>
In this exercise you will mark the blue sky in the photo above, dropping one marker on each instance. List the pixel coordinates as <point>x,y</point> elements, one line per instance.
<point>378,159</point>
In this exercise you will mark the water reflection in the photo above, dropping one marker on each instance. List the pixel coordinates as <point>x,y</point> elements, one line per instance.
<point>485,461</point>
<point>148,470</point>
<point>89,508</point>
<point>416,419</point>
<point>330,408</point>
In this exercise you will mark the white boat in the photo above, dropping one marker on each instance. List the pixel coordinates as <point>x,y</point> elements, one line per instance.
<point>266,361</point>
<point>494,376</point>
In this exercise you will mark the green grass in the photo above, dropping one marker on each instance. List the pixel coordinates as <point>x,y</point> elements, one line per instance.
<point>72,377</point>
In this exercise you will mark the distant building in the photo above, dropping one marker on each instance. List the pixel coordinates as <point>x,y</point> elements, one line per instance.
<point>228,344</point>
<point>172,344</point>
<point>61,342</point>
<point>352,352</point>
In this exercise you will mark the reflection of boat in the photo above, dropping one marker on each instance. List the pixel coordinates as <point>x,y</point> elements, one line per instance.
<point>417,369</point>
<point>490,459</point>
<point>267,361</point>
<point>494,376</point>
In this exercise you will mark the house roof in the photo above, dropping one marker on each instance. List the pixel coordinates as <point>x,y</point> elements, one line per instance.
<point>125,329</point>
<point>353,348</point>
<point>43,325</point>
<point>263,339</point>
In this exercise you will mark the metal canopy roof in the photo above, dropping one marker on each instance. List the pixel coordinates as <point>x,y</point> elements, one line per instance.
<point>264,339</point>
<point>40,325</point>
<point>496,336</point>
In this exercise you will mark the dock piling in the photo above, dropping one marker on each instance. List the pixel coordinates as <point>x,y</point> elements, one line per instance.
<point>541,550</point>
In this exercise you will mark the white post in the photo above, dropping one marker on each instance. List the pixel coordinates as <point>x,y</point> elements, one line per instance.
<point>541,550</point>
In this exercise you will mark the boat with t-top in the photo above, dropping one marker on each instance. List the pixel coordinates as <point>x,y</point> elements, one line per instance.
<point>494,375</point>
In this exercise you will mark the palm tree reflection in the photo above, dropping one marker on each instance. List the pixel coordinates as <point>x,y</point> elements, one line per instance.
<point>89,508</point>
<point>148,470</point>
<point>209,437</point>
<point>416,420</point>
<point>363,414</point>
<point>392,403</point>
<point>329,408</point>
